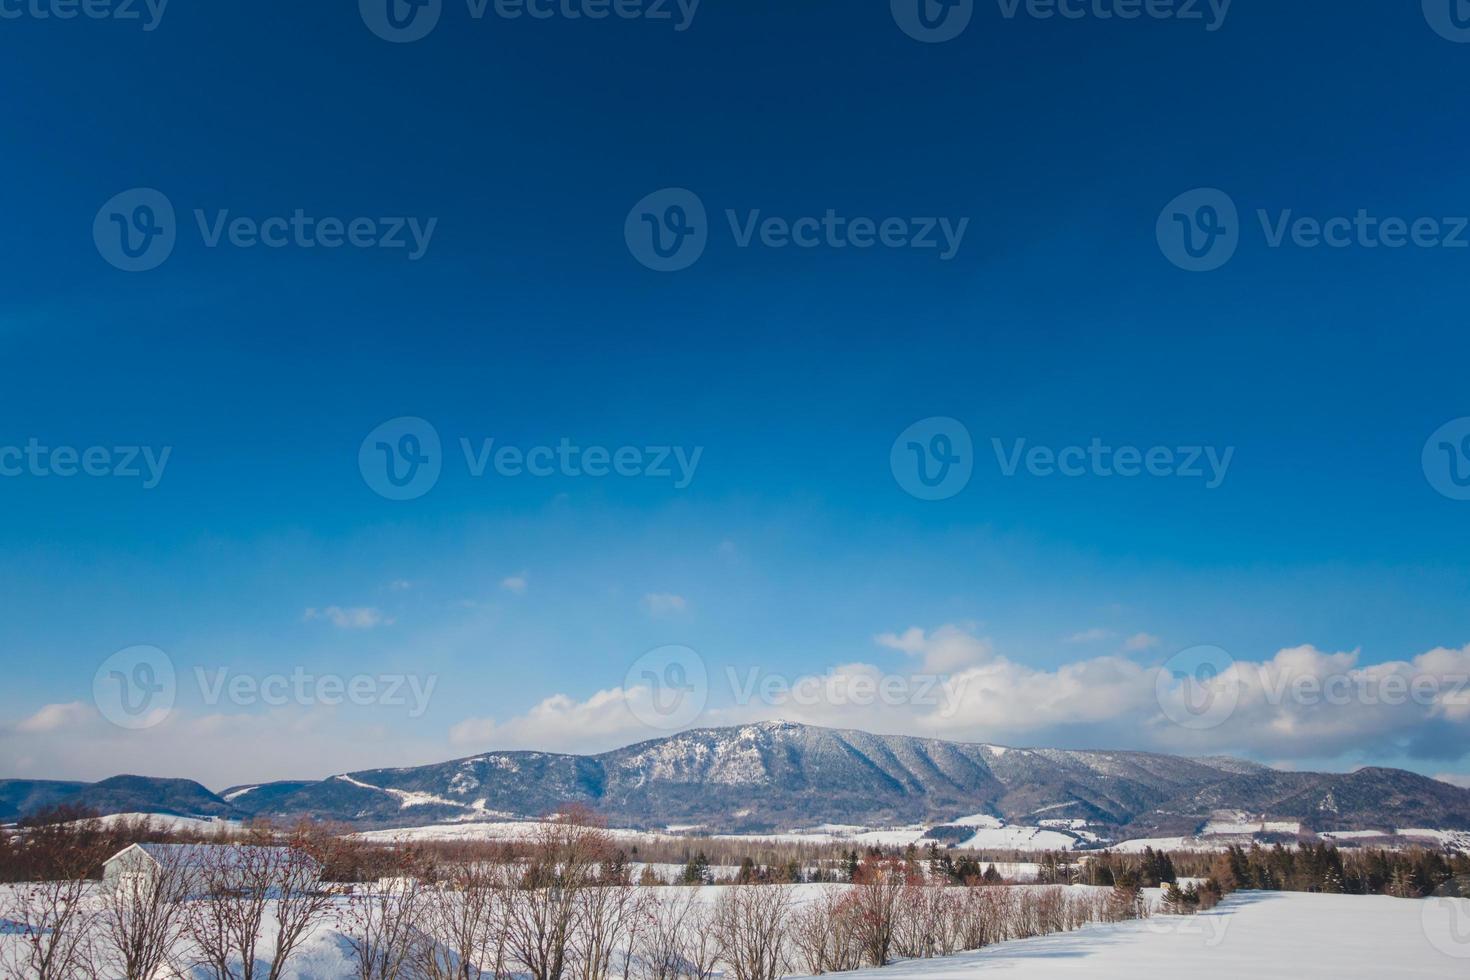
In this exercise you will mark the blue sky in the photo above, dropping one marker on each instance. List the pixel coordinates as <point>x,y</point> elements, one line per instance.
<point>793,549</point>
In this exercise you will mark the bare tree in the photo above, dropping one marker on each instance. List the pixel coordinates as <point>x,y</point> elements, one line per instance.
<point>824,932</point>
<point>143,916</point>
<point>608,916</point>
<point>380,928</point>
<point>878,886</point>
<point>51,918</point>
<point>750,924</point>
<point>51,924</point>
<point>544,897</point>
<point>464,929</point>
<point>237,887</point>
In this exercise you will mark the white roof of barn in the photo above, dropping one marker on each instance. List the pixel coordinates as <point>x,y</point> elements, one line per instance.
<point>211,855</point>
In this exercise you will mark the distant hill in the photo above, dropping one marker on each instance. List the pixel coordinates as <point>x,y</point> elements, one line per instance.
<point>120,794</point>
<point>777,775</point>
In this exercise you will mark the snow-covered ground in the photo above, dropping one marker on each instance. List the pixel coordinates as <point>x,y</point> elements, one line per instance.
<point>1256,934</point>
<point>987,833</point>
<point>1252,934</point>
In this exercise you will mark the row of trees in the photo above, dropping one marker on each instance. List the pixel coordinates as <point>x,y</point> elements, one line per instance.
<point>561,907</point>
<point>195,911</point>
<point>568,911</point>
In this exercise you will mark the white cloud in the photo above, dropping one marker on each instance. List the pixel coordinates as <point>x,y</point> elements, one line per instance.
<point>57,717</point>
<point>516,583</point>
<point>660,604</point>
<point>941,651</point>
<point>349,617</point>
<point>1139,642</point>
<point>559,723</point>
<point>400,585</point>
<point>1090,636</point>
<point>1297,706</point>
<point>217,749</point>
<point>1460,779</point>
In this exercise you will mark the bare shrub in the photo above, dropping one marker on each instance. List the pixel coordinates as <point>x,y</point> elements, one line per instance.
<point>825,933</point>
<point>51,925</point>
<point>878,885</point>
<point>608,915</point>
<point>677,940</point>
<point>461,917</point>
<point>143,916</point>
<point>750,925</point>
<point>236,886</point>
<point>380,928</point>
<point>544,897</point>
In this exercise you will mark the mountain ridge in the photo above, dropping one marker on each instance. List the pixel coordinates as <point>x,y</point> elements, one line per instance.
<point>777,775</point>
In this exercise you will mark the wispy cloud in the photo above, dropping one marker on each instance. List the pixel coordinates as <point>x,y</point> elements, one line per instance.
<point>1094,635</point>
<point>941,651</point>
<point>349,617</point>
<point>661,604</point>
<point>516,583</point>
<point>1140,641</point>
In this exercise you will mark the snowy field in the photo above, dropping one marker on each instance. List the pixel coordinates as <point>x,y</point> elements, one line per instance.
<point>1252,934</point>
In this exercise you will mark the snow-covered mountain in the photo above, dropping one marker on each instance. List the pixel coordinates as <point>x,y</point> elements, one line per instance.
<point>778,775</point>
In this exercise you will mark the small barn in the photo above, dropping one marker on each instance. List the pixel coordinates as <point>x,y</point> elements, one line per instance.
<point>201,867</point>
